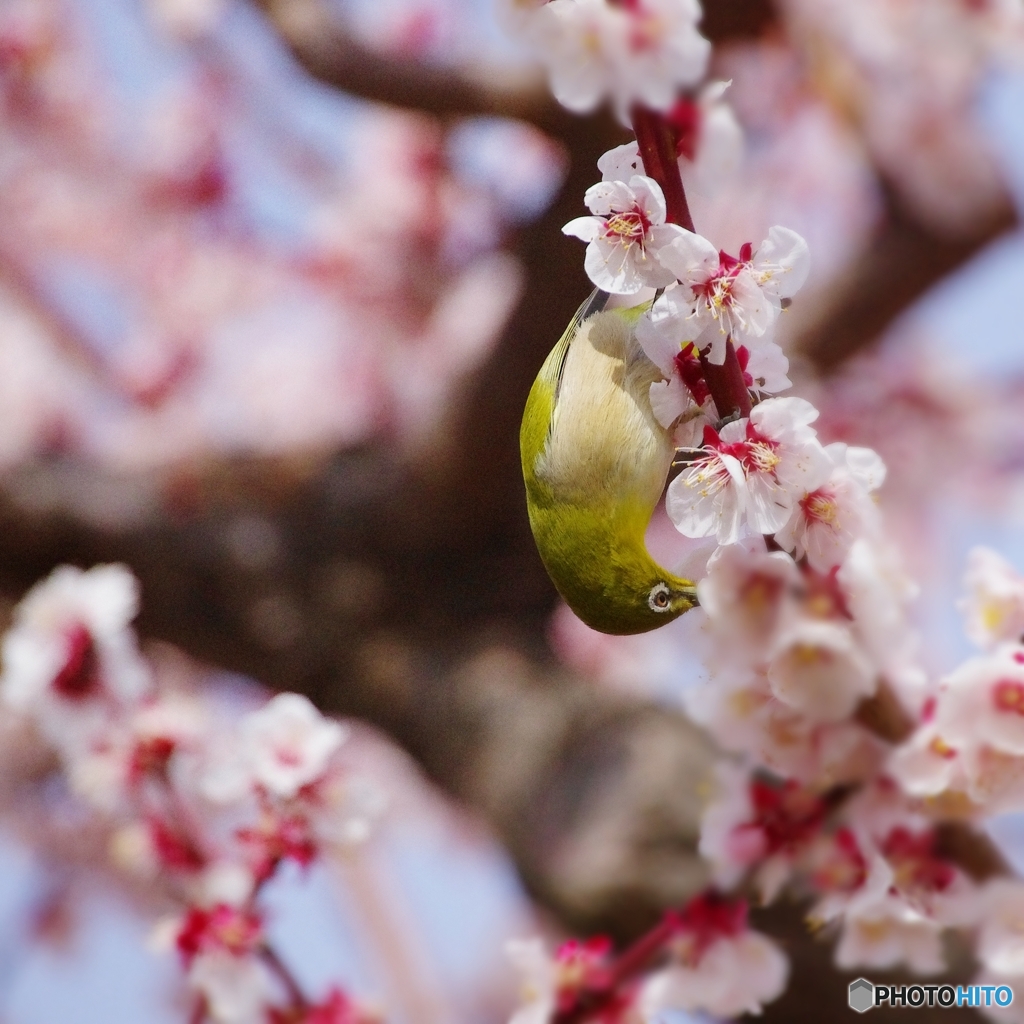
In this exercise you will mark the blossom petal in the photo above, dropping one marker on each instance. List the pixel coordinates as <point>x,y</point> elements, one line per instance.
<point>621,163</point>
<point>669,400</point>
<point>586,228</point>
<point>691,257</point>
<point>782,262</point>
<point>607,197</point>
<point>650,196</point>
<point>666,327</point>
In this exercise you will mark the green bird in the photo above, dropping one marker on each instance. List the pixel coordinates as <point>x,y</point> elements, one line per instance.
<point>595,461</point>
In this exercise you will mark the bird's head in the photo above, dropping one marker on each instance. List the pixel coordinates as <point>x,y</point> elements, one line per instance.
<point>603,571</point>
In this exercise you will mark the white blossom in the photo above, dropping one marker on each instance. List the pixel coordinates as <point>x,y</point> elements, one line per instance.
<point>637,53</point>
<point>740,711</point>
<point>237,988</point>
<point>70,658</point>
<point>827,521</point>
<point>710,145</point>
<point>994,605</point>
<point>287,744</point>
<point>887,933</point>
<point>817,668</point>
<point>719,966</point>
<point>748,595</point>
<point>1000,946</point>
<point>750,477</point>
<point>734,297</point>
<point>625,235</point>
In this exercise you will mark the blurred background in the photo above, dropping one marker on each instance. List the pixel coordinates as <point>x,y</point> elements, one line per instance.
<point>275,278</point>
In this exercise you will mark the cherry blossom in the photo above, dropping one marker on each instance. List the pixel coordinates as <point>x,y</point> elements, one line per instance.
<point>219,947</point>
<point>969,752</point>
<point>886,933</point>
<point>336,1008</point>
<point>625,235</point>
<point>733,297</point>
<point>709,143</point>
<point>70,657</point>
<point>817,669</point>
<point>876,594</point>
<point>553,984</point>
<point>754,823</point>
<point>827,521</point>
<point>994,606</point>
<point>748,594</point>
<point>281,748</point>
<point>740,711</point>
<point>1000,946</point>
<point>925,765</point>
<point>750,474</point>
<point>719,965</point>
<point>633,53</point>
<point>684,395</point>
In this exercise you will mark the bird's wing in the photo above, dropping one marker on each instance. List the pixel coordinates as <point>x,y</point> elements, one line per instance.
<point>554,366</point>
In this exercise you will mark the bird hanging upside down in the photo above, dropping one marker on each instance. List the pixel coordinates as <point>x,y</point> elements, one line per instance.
<point>595,461</point>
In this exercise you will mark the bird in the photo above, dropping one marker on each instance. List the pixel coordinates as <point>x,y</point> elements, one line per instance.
<point>595,461</point>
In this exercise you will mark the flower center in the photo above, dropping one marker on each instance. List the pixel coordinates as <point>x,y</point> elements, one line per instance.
<point>629,227</point>
<point>79,675</point>
<point>1008,695</point>
<point>820,506</point>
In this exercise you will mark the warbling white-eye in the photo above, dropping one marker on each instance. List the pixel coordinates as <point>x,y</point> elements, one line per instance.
<point>595,461</point>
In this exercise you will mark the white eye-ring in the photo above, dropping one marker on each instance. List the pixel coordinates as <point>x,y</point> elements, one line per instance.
<point>660,598</point>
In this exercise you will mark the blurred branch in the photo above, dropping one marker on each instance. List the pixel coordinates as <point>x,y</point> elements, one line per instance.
<point>305,578</point>
<point>903,260</point>
<point>320,42</point>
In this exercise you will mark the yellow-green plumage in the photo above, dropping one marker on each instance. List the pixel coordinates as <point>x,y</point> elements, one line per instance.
<point>595,461</point>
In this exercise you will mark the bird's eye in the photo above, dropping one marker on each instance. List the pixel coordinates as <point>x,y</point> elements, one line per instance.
<point>659,598</point>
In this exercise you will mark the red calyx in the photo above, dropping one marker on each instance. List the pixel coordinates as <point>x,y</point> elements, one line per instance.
<point>79,676</point>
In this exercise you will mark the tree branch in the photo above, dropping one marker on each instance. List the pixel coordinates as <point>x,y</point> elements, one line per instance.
<point>901,263</point>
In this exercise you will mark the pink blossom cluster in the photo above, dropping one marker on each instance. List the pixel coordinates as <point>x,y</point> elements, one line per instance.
<point>847,764</point>
<point>204,810</point>
<point>150,314</point>
<point>910,72</point>
<point>706,956</point>
<point>641,51</point>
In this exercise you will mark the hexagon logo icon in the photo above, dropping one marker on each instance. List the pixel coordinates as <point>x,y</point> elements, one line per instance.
<point>862,995</point>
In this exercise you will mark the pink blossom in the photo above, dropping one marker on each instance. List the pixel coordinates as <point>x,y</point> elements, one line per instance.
<point>553,984</point>
<point>219,947</point>
<point>734,297</point>
<point>633,53</point>
<point>625,235</point>
<point>70,659</point>
<point>753,824</point>
<point>887,933</point>
<point>983,701</point>
<point>720,966</point>
<point>969,752</point>
<point>671,343</point>
<point>740,711</point>
<point>748,595</point>
<point>749,476</point>
<point>994,605</point>
<point>1000,946</point>
<point>287,744</point>
<point>709,143</point>
<point>826,521</point>
<point>336,1008</point>
<point>817,668</point>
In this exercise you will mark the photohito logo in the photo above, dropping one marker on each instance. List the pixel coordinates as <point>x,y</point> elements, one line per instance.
<point>864,994</point>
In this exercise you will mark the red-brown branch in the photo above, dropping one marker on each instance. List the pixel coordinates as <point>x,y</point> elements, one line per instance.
<point>656,143</point>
